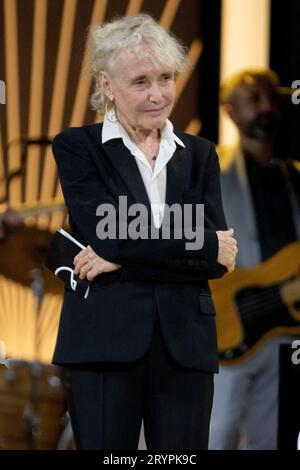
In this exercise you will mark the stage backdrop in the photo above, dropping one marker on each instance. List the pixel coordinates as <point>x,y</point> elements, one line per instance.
<point>43,47</point>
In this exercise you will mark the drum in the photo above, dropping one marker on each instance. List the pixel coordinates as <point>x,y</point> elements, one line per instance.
<point>32,405</point>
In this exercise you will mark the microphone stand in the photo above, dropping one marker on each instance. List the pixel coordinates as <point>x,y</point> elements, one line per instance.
<point>30,415</point>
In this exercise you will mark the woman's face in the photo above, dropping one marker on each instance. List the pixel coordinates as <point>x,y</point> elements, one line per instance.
<point>143,94</point>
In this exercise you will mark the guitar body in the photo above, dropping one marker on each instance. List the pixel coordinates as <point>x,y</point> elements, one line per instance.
<point>255,304</point>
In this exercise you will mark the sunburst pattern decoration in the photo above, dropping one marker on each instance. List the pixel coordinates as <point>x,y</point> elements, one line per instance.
<point>25,333</point>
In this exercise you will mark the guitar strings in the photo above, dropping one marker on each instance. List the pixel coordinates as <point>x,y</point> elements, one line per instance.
<point>247,306</point>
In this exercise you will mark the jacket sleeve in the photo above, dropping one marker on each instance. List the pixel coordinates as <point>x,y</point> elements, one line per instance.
<point>214,220</point>
<point>84,191</point>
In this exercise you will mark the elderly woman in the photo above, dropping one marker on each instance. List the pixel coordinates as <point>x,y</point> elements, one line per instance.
<point>143,343</point>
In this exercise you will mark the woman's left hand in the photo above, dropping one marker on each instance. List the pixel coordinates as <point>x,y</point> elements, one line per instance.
<point>88,264</point>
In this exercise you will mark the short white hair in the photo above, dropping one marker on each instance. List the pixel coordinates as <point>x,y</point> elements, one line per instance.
<point>112,39</point>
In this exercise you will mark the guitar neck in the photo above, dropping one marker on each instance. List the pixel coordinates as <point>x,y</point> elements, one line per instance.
<point>254,304</point>
<point>38,208</point>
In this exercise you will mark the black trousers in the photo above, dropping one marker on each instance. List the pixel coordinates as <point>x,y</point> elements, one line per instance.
<point>107,402</point>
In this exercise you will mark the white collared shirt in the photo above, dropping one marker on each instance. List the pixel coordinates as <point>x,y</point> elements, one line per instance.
<point>154,180</point>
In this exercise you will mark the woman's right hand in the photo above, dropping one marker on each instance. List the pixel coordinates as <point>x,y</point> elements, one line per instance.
<point>227,249</point>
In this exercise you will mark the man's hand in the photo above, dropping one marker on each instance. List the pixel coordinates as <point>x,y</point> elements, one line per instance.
<point>88,264</point>
<point>227,249</point>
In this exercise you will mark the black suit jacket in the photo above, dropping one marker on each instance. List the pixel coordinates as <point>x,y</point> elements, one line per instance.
<point>116,321</point>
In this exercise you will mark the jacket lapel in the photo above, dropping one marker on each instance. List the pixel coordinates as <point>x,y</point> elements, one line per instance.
<point>176,176</point>
<point>126,166</point>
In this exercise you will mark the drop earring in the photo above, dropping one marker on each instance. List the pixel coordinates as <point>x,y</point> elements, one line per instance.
<point>110,111</point>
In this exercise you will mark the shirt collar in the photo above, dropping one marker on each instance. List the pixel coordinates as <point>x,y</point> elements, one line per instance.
<point>113,130</point>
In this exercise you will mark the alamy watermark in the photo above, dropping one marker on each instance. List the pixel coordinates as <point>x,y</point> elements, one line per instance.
<point>2,92</point>
<point>296,93</point>
<point>131,221</point>
<point>296,354</point>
